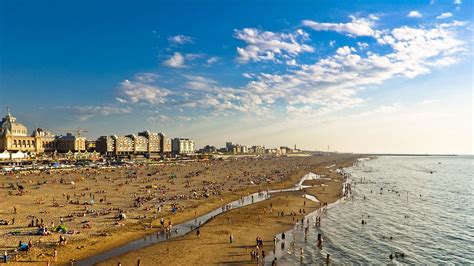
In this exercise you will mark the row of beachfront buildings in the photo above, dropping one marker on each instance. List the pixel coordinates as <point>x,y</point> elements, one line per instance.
<point>143,143</point>
<point>234,148</point>
<point>14,137</point>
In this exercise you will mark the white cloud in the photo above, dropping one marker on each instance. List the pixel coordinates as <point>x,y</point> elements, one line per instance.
<point>138,92</point>
<point>248,75</point>
<point>146,77</point>
<point>373,17</point>
<point>120,100</point>
<point>457,2</point>
<point>332,83</point>
<point>345,50</point>
<point>445,15</point>
<point>212,60</point>
<point>180,39</point>
<point>177,60</point>
<point>199,83</point>
<point>357,26</point>
<point>194,56</point>
<point>291,62</point>
<point>268,46</point>
<point>414,14</point>
<point>86,112</point>
<point>362,45</point>
<point>158,118</point>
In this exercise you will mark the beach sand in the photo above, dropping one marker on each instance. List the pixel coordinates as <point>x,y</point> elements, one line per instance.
<point>222,181</point>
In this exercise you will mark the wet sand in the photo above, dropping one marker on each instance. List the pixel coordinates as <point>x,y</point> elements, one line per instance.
<point>216,183</point>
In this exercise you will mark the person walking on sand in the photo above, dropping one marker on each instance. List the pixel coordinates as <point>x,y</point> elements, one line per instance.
<point>198,233</point>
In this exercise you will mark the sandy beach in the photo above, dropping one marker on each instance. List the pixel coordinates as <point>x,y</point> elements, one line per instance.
<point>89,206</point>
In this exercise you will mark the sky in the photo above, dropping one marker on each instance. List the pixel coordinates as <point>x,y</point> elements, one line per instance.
<point>347,76</point>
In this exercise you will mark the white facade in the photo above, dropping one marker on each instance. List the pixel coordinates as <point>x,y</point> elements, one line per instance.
<point>183,146</point>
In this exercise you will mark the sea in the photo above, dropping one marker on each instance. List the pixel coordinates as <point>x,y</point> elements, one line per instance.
<point>421,207</point>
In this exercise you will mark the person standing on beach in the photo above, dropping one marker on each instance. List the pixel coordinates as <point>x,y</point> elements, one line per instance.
<point>274,262</point>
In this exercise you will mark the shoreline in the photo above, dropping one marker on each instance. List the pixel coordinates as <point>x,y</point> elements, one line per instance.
<point>295,198</point>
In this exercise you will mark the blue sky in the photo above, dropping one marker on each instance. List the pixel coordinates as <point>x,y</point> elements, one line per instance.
<point>362,76</point>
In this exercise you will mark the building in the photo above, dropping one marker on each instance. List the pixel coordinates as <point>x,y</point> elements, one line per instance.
<point>70,143</point>
<point>260,150</point>
<point>105,145</point>
<point>285,150</point>
<point>182,146</point>
<point>208,149</point>
<point>153,141</point>
<point>234,148</point>
<point>90,145</point>
<point>14,137</point>
<point>166,144</point>
<point>144,143</point>
<point>140,144</point>
<point>124,144</point>
<point>48,140</point>
<point>229,145</point>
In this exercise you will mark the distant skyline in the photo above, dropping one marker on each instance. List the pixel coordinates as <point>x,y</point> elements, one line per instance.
<point>363,76</point>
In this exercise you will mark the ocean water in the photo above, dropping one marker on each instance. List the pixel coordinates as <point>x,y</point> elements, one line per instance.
<point>425,204</point>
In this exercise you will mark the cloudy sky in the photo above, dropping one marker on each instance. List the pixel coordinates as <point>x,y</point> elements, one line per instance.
<point>359,76</point>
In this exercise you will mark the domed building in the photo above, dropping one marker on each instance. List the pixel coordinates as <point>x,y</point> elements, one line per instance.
<point>14,136</point>
<point>11,127</point>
